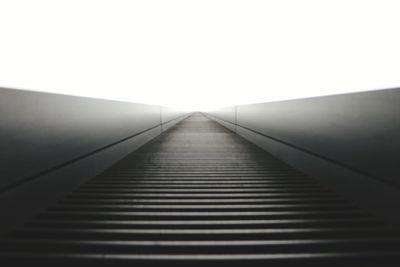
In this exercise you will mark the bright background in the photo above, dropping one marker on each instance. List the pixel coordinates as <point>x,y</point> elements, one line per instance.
<point>199,54</point>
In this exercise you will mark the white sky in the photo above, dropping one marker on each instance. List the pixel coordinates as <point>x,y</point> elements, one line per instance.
<point>199,54</point>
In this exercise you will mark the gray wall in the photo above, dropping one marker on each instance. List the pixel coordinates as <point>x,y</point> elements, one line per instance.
<point>357,133</point>
<point>168,116</point>
<point>226,116</point>
<point>51,143</point>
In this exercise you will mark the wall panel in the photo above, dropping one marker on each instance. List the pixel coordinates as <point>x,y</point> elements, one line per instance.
<point>50,144</point>
<point>349,142</point>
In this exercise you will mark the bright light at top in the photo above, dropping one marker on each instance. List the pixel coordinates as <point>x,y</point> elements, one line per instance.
<point>199,54</point>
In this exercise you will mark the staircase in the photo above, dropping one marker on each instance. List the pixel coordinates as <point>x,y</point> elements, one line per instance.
<point>199,194</point>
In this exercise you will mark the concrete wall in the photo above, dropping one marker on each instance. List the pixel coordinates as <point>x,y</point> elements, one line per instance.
<point>168,117</point>
<point>51,143</point>
<point>226,116</point>
<point>357,135</point>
